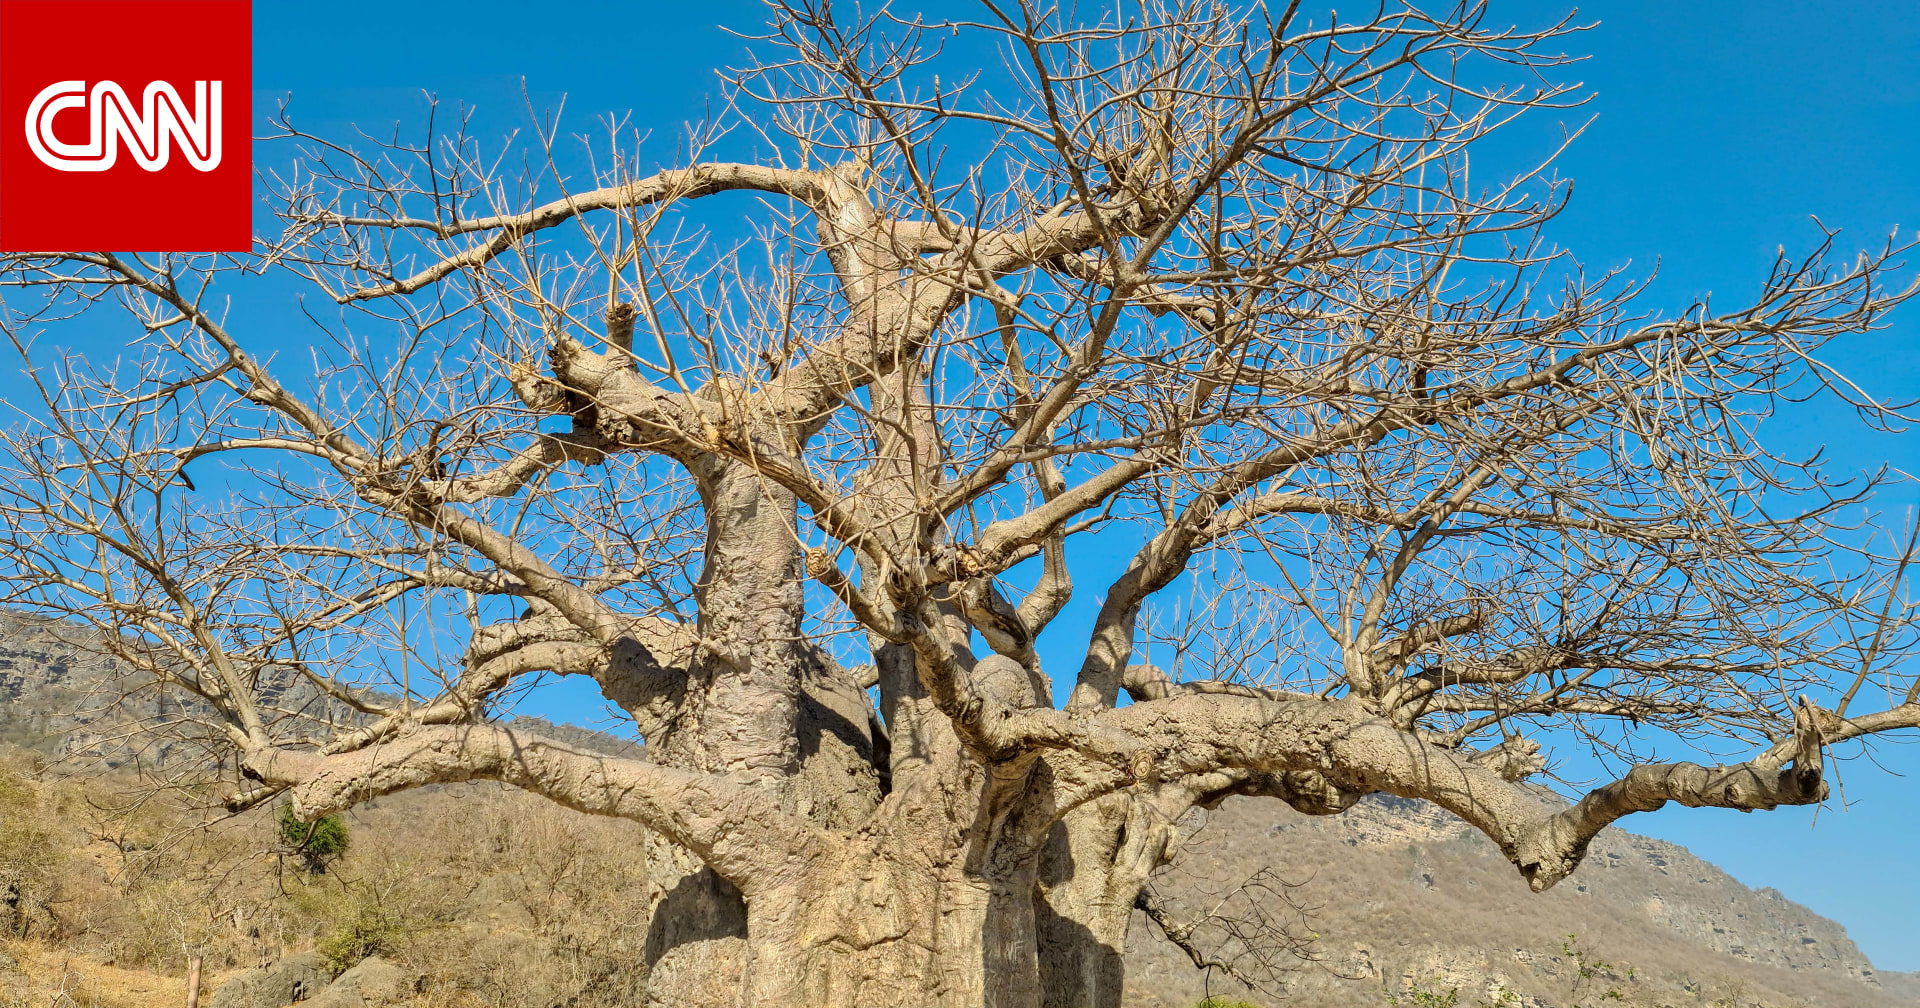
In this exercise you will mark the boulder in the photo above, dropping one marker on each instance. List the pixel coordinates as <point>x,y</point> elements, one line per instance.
<point>373,981</point>
<point>295,978</point>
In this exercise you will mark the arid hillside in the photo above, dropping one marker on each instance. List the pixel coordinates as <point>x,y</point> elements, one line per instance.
<point>1405,899</point>
<point>482,896</point>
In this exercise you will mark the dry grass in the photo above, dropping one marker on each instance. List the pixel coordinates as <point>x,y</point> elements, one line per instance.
<point>502,901</point>
<point>45,975</point>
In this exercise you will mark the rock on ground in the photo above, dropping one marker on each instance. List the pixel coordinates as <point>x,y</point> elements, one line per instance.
<point>295,978</point>
<point>374,981</point>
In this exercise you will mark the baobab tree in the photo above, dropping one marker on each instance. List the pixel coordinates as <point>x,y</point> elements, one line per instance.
<point>799,446</point>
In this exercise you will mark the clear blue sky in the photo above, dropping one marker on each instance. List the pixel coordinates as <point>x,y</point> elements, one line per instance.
<point>1721,127</point>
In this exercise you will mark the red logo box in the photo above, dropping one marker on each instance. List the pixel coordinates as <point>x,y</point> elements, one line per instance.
<point>126,124</point>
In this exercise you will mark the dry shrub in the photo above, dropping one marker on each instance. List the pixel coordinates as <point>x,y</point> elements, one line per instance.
<point>30,861</point>
<point>506,901</point>
<point>552,904</point>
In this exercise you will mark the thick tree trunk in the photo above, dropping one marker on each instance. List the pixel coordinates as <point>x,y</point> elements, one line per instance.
<point>940,903</point>
<point>696,946</point>
<point>910,920</point>
<point>905,919</point>
<point>1096,861</point>
<point>945,899</point>
<point>761,706</point>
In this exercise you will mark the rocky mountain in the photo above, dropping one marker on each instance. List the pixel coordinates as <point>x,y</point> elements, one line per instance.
<point>1403,898</point>
<point>1394,901</point>
<point>61,697</point>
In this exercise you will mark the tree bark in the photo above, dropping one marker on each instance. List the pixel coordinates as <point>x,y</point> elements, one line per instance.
<point>1096,861</point>
<point>946,911</point>
<point>763,707</point>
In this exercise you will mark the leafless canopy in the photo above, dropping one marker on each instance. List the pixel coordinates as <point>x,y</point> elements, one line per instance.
<point>1192,310</point>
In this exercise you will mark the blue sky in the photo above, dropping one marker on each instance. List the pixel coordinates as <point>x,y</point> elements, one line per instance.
<point>1719,129</point>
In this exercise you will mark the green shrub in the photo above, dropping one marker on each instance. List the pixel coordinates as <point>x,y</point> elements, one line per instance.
<point>318,842</point>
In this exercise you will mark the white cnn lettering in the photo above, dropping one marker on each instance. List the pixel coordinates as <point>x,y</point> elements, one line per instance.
<point>150,131</point>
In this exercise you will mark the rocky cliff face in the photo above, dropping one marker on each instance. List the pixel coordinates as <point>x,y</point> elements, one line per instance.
<point>1402,896</point>
<point>63,699</point>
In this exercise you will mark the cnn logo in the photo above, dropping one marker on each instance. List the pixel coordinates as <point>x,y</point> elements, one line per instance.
<point>150,129</point>
<point>136,141</point>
